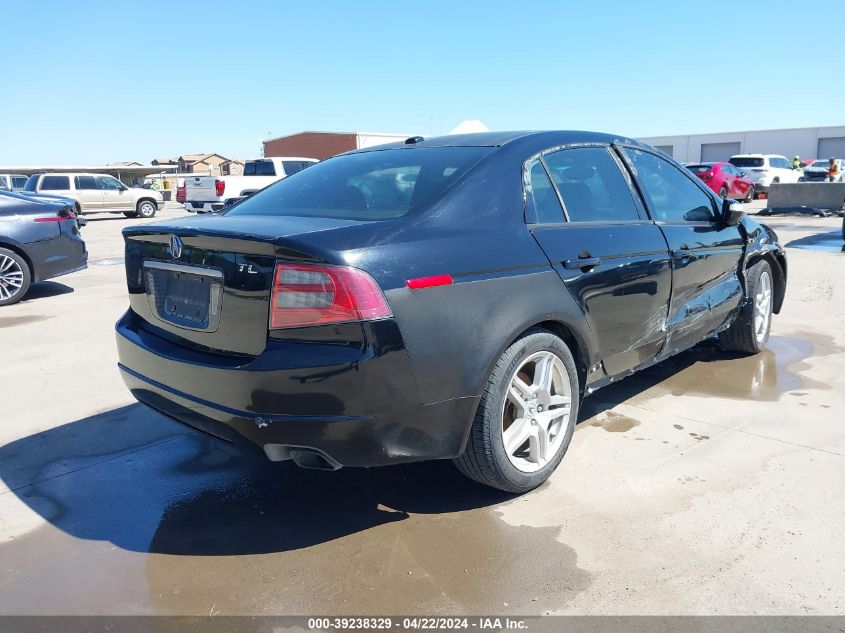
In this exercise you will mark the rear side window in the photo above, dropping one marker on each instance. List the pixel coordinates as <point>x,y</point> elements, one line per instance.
<point>544,206</point>
<point>671,195</point>
<point>85,182</point>
<point>260,168</point>
<point>591,185</point>
<point>292,166</point>
<point>375,185</point>
<point>55,183</point>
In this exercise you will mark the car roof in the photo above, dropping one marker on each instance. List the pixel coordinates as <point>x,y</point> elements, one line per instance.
<point>758,156</point>
<point>498,139</point>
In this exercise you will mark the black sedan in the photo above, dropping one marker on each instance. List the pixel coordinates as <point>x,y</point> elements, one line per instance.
<point>453,297</point>
<point>39,240</point>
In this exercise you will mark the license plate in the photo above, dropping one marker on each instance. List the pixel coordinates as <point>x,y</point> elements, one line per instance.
<point>186,296</point>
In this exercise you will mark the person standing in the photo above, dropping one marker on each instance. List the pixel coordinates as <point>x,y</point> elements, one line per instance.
<point>833,171</point>
<point>796,162</point>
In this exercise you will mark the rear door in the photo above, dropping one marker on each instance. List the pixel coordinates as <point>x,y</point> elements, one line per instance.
<point>614,260</point>
<point>705,253</point>
<point>88,194</point>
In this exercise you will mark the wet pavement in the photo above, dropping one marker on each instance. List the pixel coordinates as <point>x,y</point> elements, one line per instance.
<point>701,485</point>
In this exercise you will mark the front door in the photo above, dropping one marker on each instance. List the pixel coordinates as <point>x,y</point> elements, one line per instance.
<point>706,288</point>
<point>611,257</point>
<point>116,197</point>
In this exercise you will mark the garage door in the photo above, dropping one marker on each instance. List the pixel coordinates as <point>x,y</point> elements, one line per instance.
<point>715,152</point>
<point>834,146</point>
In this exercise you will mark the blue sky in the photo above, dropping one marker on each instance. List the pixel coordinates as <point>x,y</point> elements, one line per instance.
<point>91,82</point>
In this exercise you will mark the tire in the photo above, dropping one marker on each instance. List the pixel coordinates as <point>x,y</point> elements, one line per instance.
<point>749,196</point>
<point>500,421</point>
<point>15,277</point>
<point>146,209</point>
<point>750,331</point>
<point>723,193</point>
<point>130,214</point>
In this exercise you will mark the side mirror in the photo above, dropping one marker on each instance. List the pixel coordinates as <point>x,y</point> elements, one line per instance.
<point>732,212</point>
<point>742,173</point>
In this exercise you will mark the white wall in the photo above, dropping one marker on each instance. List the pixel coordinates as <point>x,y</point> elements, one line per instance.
<point>369,140</point>
<point>788,142</point>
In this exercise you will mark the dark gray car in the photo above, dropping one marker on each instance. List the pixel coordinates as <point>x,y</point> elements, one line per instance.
<point>39,239</point>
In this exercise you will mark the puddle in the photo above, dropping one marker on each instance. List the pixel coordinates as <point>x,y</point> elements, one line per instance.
<point>183,528</point>
<point>615,422</point>
<point>21,320</point>
<point>708,371</point>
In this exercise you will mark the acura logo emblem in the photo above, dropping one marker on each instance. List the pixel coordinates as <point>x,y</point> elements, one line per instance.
<point>176,245</point>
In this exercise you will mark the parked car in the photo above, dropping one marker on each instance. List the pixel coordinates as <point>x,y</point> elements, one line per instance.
<point>765,169</point>
<point>97,193</point>
<point>817,171</point>
<point>446,298</point>
<point>204,194</point>
<point>39,240</point>
<point>12,182</point>
<point>725,179</point>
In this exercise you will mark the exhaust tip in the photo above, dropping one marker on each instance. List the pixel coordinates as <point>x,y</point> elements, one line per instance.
<point>302,456</point>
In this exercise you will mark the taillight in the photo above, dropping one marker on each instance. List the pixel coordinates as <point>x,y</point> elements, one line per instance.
<point>219,187</point>
<point>308,294</point>
<point>181,194</point>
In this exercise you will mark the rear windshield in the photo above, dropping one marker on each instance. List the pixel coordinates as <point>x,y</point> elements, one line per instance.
<point>377,185</point>
<point>699,169</point>
<point>260,168</point>
<point>741,161</point>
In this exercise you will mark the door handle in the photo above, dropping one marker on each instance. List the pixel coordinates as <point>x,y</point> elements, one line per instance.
<point>682,252</point>
<point>582,263</point>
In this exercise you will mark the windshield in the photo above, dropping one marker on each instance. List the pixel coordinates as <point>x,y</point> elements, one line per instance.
<point>377,185</point>
<point>746,161</point>
<point>31,182</point>
<point>821,163</point>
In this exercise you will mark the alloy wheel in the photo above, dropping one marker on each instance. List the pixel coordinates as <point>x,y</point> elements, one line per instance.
<point>11,277</point>
<point>762,307</point>
<point>537,411</point>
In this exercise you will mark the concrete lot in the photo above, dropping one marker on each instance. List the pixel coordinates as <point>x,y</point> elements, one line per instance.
<point>707,485</point>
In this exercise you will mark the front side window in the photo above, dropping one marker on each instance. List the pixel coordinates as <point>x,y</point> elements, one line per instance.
<point>108,183</point>
<point>18,182</point>
<point>85,182</point>
<point>671,195</point>
<point>55,183</point>
<point>591,185</point>
<point>543,204</point>
<point>373,185</point>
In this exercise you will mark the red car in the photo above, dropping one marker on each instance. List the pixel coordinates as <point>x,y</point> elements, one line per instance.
<point>725,179</point>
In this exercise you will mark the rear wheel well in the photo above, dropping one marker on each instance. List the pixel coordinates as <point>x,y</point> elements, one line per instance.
<point>578,349</point>
<point>19,251</point>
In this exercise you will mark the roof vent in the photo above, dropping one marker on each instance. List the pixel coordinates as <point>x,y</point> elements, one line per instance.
<point>414,140</point>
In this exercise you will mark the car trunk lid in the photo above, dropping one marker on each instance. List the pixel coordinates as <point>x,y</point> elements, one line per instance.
<point>206,281</point>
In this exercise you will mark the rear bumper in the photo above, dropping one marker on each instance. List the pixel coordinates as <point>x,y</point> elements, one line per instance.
<point>197,206</point>
<point>353,401</point>
<point>60,256</point>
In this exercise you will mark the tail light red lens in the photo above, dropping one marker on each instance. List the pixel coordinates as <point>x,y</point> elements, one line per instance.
<point>306,294</point>
<point>220,187</point>
<point>181,194</point>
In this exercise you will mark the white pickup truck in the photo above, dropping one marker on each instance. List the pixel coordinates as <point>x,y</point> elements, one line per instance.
<point>203,194</point>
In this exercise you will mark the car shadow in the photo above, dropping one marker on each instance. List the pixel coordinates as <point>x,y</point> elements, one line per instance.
<point>145,484</point>
<point>830,241</point>
<point>44,289</point>
<point>135,479</point>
